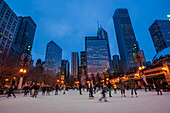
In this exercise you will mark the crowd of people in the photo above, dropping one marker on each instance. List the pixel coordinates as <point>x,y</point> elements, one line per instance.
<point>33,89</point>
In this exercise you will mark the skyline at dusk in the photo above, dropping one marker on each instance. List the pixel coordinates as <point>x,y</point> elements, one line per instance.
<point>67,23</point>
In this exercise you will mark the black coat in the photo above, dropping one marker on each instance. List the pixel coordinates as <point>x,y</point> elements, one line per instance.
<point>109,85</point>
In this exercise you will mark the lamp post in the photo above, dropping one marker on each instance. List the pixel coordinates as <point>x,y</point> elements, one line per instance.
<point>141,68</point>
<point>22,71</point>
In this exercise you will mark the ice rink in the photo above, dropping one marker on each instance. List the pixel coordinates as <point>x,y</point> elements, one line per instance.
<point>72,102</point>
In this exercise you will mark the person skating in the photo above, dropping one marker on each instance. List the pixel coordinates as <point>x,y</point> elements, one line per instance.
<point>133,87</point>
<point>56,89</point>
<point>43,90</point>
<point>122,88</point>
<point>104,90</point>
<point>11,91</point>
<point>115,88</point>
<point>109,85</point>
<point>48,90</point>
<point>64,88</point>
<point>26,88</point>
<point>157,87</point>
<point>33,90</point>
<point>91,90</point>
<point>80,86</point>
<point>164,85</point>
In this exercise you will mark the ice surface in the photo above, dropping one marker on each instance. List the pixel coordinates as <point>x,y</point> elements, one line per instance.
<point>72,102</point>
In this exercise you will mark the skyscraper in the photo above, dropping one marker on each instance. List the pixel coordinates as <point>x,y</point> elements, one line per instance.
<point>160,33</point>
<point>125,39</point>
<point>102,34</point>
<point>83,61</point>
<point>25,32</point>
<point>8,25</point>
<point>116,63</point>
<point>75,65</point>
<point>65,70</point>
<point>24,37</point>
<point>52,58</point>
<point>97,53</point>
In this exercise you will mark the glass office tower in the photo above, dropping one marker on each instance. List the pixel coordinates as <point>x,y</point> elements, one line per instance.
<point>52,58</point>
<point>75,65</point>
<point>160,33</point>
<point>125,39</point>
<point>97,55</point>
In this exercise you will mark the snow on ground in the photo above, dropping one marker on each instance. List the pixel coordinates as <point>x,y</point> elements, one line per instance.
<point>72,102</point>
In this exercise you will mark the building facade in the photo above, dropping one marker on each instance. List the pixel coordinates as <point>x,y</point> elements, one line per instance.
<point>65,70</point>
<point>102,34</point>
<point>125,39</point>
<point>97,55</point>
<point>24,37</point>
<point>160,33</point>
<point>75,65</point>
<point>8,25</point>
<point>83,61</point>
<point>53,58</point>
<point>16,33</point>
<point>116,63</point>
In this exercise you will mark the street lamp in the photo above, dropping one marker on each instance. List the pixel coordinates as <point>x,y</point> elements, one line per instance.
<point>22,71</point>
<point>141,68</point>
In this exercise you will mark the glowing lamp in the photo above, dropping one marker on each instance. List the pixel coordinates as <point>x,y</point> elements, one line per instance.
<point>21,70</point>
<point>140,68</point>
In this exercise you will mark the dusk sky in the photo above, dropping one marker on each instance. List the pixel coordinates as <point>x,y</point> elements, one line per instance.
<point>67,22</point>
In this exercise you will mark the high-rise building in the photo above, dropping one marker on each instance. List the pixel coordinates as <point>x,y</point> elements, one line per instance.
<point>125,39</point>
<point>116,63</point>
<point>52,58</point>
<point>65,70</point>
<point>102,34</point>
<point>160,33</point>
<point>97,53</point>
<point>83,61</point>
<point>25,32</point>
<point>16,33</point>
<point>8,25</point>
<point>24,37</point>
<point>75,65</point>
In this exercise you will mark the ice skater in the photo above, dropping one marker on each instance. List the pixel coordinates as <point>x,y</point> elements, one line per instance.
<point>157,87</point>
<point>122,88</point>
<point>80,86</point>
<point>56,89</point>
<point>91,90</point>
<point>109,85</point>
<point>133,87</point>
<point>104,90</point>
<point>11,91</point>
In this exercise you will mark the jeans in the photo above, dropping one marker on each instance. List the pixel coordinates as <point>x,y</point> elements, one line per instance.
<point>134,91</point>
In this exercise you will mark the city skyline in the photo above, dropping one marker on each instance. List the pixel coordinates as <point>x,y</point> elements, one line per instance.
<point>63,30</point>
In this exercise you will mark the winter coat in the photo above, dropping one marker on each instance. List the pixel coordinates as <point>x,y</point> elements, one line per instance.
<point>104,90</point>
<point>90,85</point>
<point>115,86</point>
<point>132,84</point>
<point>109,85</point>
<point>121,85</point>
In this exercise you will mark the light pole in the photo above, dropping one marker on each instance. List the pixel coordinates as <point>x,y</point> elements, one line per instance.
<point>141,68</point>
<point>22,71</point>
